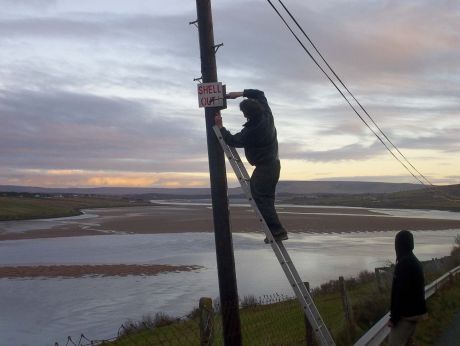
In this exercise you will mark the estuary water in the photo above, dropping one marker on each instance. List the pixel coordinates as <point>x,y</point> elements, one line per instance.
<point>45,311</point>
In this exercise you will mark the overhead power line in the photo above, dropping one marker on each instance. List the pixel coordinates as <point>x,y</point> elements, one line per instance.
<point>430,186</point>
<point>341,92</point>
<point>351,94</point>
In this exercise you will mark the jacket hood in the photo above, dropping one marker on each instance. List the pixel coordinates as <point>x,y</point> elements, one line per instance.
<point>253,120</point>
<point>404,244</point>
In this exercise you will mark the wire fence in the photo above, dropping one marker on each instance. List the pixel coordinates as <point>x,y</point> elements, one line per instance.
<point>349,308</point>
<point>268,320</point>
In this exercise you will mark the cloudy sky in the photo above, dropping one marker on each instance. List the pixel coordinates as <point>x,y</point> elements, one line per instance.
<point>101,93</point>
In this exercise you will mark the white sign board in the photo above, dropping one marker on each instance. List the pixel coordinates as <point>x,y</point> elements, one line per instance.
<point>210,95</point>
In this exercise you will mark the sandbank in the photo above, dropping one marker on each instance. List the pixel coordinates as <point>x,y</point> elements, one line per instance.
<point>90,270</point>
<point>198,218</point>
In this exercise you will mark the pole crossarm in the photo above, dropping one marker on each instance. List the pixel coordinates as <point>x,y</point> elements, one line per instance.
<point>217,46</point>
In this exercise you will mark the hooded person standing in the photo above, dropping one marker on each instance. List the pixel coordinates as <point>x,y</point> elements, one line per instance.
<point>259,140</point>
<point>407,292</point>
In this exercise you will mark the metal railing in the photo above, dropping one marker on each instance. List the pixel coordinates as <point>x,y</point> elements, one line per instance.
<point>379,331</point>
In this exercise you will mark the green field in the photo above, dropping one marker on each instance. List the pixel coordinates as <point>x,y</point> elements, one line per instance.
<point>29,207</point>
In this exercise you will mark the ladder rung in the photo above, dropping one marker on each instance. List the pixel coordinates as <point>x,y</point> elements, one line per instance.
<point>309,302</point>
<point>299,284</point>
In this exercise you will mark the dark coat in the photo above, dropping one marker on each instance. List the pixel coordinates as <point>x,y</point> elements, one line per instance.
<point>408,288</point>
<point>258,136</point>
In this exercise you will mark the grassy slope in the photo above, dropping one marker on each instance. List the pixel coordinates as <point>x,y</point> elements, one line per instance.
<point>21,208</point>
<point>442,308</point>
<point>275,324</point>
<point>283,323</point>
<point>441,198</point>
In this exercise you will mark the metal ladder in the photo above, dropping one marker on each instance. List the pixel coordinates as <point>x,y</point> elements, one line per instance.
<point>303,296</point>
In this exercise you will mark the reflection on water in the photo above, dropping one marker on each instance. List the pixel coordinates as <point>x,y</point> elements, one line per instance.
<point>42,311</point>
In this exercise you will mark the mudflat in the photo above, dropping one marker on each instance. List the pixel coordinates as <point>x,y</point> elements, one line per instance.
<point>174,218</point>
<point>90,270</point>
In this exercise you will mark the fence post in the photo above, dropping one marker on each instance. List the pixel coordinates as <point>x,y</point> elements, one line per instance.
<point>378,278</point>
<point>437,262</point>
<point>345,302</point>
<point>206,322</point>
<point>309,337</point>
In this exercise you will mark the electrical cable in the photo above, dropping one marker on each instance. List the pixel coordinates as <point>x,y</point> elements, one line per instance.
<point>350,93</point>
<point>431,187</point>
<point>343,95</point>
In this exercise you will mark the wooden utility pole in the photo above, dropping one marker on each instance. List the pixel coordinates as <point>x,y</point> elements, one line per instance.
<point>223,237</point>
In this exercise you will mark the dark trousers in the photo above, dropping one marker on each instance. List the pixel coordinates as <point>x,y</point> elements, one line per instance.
<point>263,185</point>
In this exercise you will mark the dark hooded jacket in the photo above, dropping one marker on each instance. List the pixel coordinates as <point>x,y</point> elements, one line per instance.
<point>258,136</point>
<point>408,288</point>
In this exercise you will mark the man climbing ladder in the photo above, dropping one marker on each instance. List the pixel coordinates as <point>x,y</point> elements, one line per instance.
<point>303,296</point>
<point>259,140</point>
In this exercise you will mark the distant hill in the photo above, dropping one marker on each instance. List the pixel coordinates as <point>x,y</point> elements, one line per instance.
<point>104,190</point>
<point>25,202</point>
<point>284,187</point>
<point>342,187</point>
<point>439,198</point>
